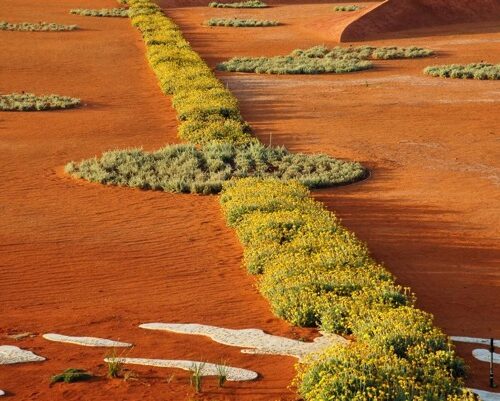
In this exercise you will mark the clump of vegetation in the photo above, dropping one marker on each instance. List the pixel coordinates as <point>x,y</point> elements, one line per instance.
<point>197,376</point>
<point>242,4</point>
<point>293,65</point>
<point>207,110</point>
<point>393,52</point>
<point>320,59</point>
<point>103,12</point>
<point>114,363</point>
<point>237,22</point>
<point>222,372</point>
<point>71,375</point>
<point>31,102</point>
<point>347,8</point>
<point>481,71</point>
<point>314,272</point>
<point>184,168</point>
<point>35,27</point>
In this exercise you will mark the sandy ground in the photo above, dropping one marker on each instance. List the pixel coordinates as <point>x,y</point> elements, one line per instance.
<point>400,15</point>
<point>82,259</point>
<point>430,210</point>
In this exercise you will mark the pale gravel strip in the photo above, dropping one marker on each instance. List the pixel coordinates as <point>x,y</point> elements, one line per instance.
<point>208,369</point>
<point>484,355</point>
<point>85,341</point>
<point>486,395</point>
<point>10,354</point>
<point>475,340</point>
<point>256,339</point>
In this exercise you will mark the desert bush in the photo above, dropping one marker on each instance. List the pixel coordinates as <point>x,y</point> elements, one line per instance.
<point>31,102</point>
<point>319,59</point>
<point>243,4</point>
<point>293,65</point>
<point>238,22</point>
<point>314,272</point>
<point>222,373</point>
<point>393,52</point>
<point>71,375</point>
<point>347,8</point>
<point>184,168</point>
<point>35,27</point>
<point>481,71</point>
<point>103,12</point>
<point>206,109</point>
<point>197,375</point>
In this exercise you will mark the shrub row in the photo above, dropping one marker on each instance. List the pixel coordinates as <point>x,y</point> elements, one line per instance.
<point>103,12</point>
<point>243,4</point>
<point>238,22</point>
<point>314,272</point>
<point>347,8</point>
<point>31,102</point>
<point>320,59</point>
<point>35,27</point>
<point>293,65</point>
<point>469,71</point>
<point>184,168</point>
<point>206,109</point>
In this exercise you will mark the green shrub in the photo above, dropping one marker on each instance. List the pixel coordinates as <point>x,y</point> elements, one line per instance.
<point>319,59</point>
<point>293,65</point>
<point>35,27</point>
<point>103,12</point>
<point>347,8</point>
<point>243,4</point>
<point>31,102</point>
<point>393,52</point>
<point>197,375</point>
<point>469,71</point>
<point>207,110</point>
<point>184,168</point>
<point>314,272</point>
<point>71,375</point>
<point>238,22</point>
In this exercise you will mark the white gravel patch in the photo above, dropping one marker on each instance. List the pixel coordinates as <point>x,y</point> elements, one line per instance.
<point>486,395</point>
<point>255,340</point>
<point>208,369</point>
<point>484,355</point>
<point>85,341</point>
<point>475,340</point>
<point>10,354</point>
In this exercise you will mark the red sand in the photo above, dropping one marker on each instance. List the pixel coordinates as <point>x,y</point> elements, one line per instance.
<point>430,208</point>
<point>83,259</point>
<point>401,15</point>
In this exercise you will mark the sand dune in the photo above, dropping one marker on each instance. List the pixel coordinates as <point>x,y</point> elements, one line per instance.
<point>400,15</point>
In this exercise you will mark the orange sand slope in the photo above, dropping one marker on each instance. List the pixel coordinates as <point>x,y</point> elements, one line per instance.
<point>399,15</point>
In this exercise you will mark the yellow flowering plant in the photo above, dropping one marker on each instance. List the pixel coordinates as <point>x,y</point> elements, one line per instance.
<point>314,272</point>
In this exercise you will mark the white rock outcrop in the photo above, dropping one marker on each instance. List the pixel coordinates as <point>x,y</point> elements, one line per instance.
<point>254,340</point>
<point>10,354</point>
<point>85,341</point>
<point>207,369</point>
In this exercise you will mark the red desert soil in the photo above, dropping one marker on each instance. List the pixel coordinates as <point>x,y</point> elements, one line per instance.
<point>430,210</point>
<point>83,259</point>
<point>399,15</point>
